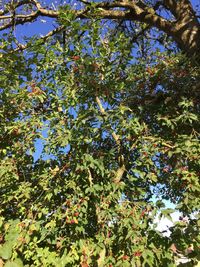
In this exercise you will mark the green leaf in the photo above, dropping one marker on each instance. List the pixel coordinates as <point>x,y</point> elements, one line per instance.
<point>15,263</point>
<point>6,250</point>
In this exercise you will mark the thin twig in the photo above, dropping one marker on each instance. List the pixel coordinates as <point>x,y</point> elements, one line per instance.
<point>120,171</point>
<point>42,39</point>
<point>103,112</point>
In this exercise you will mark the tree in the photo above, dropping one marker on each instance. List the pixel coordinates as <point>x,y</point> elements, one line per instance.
<point>119,133</point>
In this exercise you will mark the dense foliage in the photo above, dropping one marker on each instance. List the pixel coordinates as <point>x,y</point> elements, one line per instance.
<point>118,135</point>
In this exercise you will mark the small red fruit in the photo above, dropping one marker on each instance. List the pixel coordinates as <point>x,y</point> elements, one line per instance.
<point>143,213</point>
<point>68,202</point>
<point>137,254</point>
<point>108,234</point>
<point>95,66</point>
<point>125,257</point>
<point>75,69</point>
<point>166,169</point>
<point>15,131</point>
<point>75,58</point>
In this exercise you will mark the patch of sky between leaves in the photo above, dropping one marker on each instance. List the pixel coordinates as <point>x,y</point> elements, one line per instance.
<point>40,143</point>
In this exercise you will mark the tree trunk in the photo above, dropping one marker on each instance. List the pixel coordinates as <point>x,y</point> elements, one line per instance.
<point>186,29</point>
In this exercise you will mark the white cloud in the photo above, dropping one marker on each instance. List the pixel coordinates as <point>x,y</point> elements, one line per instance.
<point>164,224</point>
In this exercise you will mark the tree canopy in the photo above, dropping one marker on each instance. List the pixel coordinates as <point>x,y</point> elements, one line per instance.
<point>99,135</point>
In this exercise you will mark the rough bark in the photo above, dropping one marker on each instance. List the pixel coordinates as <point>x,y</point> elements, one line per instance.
<point>184,28</point>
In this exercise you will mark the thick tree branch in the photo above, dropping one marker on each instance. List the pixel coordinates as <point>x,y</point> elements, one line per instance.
<point>21,3</point>
<point>180,8</point>
<point>185,30</point>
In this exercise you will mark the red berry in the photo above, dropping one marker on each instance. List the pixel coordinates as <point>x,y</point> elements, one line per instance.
<point>143,213</point>
<point>75,69</point>
<point>166,169</point>
<point>137,253</point>
<point>15,131</point>
<point>75,57</point>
